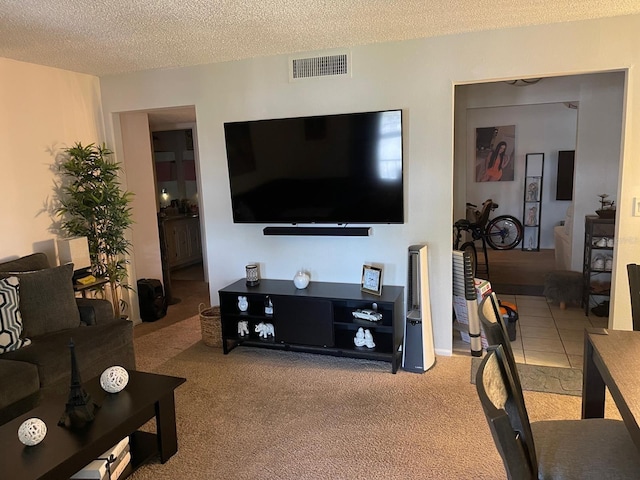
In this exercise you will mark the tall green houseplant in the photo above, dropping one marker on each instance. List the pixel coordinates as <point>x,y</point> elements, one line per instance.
<point>93,205</point>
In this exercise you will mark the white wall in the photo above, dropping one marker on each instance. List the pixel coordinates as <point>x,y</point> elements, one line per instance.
<point>418,76</point>
<point>44,110</point>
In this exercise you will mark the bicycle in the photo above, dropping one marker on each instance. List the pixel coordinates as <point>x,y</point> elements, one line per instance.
<point>503,232</point>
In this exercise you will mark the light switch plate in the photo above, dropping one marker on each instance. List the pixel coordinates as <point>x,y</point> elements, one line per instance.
<point>636,206</point>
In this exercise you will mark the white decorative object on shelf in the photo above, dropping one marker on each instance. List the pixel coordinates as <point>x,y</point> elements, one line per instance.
<point>243,328</point>
<point>368,339</point>
<point>301,279</point>
<point>366,314</point>
<point>32,431</point>
<point>243,303</point>
<point>358,340</point>
<point>268,306</point>
<point>265,330</point>
<point>114,379</point>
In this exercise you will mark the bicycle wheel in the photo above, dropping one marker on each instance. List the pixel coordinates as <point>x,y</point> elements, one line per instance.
<point>504,232</point>
<point>470,249</point>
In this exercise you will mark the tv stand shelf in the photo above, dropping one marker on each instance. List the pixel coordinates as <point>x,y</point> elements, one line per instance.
<point>317,319</point>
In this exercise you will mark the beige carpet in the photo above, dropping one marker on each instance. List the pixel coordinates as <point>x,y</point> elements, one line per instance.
<point>263,414</point>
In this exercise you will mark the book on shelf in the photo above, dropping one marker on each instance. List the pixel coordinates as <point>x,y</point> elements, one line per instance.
<point>101,468</point>
<point>119,465</point>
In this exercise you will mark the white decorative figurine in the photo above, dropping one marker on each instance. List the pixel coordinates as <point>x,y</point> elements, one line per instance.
<point>243,328</point>
<point>265,330</point>
<point>243,304</point>
<point>358,340</point>
<point>32,431</point>
<point>368,339</point>
<point>114,379</point>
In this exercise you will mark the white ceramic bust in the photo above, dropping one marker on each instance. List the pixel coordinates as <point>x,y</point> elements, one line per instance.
<point>359,339</point>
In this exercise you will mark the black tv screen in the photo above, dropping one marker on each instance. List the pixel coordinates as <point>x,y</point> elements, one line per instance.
<point>339,169</point>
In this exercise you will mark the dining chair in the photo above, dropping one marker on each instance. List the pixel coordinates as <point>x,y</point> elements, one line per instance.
<point>633,272</point>
<point>595,448</point>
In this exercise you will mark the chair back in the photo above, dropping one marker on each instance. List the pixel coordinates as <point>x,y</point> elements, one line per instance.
<point>504,409</point>
<point>496,330</point>
<point>633,272</point>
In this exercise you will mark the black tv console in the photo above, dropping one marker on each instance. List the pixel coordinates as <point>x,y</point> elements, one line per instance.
<point>317,319</point>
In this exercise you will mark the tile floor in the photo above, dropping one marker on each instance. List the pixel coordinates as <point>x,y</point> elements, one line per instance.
<point>545,334</point>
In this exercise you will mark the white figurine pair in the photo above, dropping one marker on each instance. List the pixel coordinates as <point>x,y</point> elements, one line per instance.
<point>364,338</point>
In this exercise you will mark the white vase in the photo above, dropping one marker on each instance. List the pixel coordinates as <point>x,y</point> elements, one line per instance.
<point>301,279</point>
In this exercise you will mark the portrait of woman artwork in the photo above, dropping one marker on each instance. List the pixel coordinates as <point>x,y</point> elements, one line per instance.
<point>495,147</point>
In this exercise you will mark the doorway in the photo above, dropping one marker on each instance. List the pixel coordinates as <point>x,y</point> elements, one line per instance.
<point>178,215</point>
<point>546,335</point>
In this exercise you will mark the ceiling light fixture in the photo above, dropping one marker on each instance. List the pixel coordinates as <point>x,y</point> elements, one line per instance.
<point>523,82</point>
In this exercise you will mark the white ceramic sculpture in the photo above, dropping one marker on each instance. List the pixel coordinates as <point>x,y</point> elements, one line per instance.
<point>32,431</point>
<point>243,303</point>
<point>301,279</point>
<point>368,339</point>
<point>114,379</point>
<point>358,340</point>
<point>243,328</point>
<point>264,330</point>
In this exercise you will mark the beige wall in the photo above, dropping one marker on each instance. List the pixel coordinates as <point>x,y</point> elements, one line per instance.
<point>44,110</point>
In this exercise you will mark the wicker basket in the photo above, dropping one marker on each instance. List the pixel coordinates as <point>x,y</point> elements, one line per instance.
<point>210,326</point>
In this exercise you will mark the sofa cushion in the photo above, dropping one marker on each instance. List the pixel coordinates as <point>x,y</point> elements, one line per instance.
<point>19,380</point>
<point>28,263</point>
<point>47,300</point>
<point>10,319</point>
<point>96,348</point>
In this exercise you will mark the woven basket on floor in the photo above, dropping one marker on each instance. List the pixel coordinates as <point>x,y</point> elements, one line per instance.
<point>210,326</point>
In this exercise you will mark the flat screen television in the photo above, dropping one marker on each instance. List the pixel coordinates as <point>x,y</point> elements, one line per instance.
<point>337,169</point>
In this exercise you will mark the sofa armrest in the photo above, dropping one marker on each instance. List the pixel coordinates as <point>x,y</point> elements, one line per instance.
<point>94,311</point>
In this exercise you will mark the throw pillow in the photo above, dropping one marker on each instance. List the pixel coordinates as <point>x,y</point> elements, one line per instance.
<point>10,319</point>
<point>28,263</point>
<point>47,300</point>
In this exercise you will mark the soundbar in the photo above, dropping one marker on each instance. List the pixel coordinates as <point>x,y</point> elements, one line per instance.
<point>319,231</point>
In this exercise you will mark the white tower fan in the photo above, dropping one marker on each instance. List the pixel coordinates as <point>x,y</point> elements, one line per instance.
<point>418,352</point>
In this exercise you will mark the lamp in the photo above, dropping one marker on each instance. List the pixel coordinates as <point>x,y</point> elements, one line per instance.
<point>75,250</point>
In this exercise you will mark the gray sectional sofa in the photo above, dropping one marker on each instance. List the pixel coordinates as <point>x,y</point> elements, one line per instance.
<point>51,316</point>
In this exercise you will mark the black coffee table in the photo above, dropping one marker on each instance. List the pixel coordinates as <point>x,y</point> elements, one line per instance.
<point>63,452</point>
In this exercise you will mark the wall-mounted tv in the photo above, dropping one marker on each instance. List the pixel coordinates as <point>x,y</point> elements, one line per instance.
<point>341,169</point>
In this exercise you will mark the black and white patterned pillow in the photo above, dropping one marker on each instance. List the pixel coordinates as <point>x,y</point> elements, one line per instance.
<point>10,319</point>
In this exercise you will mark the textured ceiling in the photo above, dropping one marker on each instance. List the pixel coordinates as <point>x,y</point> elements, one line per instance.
<point>104,37</point>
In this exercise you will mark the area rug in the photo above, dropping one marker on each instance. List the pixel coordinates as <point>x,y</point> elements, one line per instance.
<point>538,378</point>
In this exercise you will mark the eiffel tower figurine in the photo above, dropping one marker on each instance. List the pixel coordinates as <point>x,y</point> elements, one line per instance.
<point>79,409</point>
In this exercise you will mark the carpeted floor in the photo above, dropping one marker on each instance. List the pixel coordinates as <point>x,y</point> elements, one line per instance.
<point>264,414</point>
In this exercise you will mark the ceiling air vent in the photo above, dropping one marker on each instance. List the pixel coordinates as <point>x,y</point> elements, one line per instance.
<point>322,66</point>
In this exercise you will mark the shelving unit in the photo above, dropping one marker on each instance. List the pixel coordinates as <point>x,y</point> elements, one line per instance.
<point>598,243</point>
<point>317,319</point>
<point>532,201</point>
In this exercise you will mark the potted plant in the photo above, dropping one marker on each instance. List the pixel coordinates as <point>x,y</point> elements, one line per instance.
<point>607,207</point>
<point>93,205</point>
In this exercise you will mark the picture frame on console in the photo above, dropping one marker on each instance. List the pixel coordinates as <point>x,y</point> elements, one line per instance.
<point>371,279</point>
